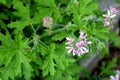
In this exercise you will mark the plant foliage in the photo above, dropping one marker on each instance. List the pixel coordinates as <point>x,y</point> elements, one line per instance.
<point>28,50</point>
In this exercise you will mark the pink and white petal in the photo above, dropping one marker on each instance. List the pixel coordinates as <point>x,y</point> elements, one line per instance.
<point>113,10</point>
<point>85,50</point>
<point>105,15</point>
<point>81,51</point>
<point>74,53</point>
<point>112,78</point>
<point>116,77</point>
<point>70,39</point>
<point>107,23</point>
<point>69,51</point>
<point>109,12</point>
<point>113,16</point>
<point>78,54</point>
<point>67,43</point>
<point>67,38</point>
<point>79,44</point>
<point>68,47</point>
<point>89,42</point>
<point>112,27</point>
<point>118,72</point>
<point>82,35</point>
<point>114,20</point>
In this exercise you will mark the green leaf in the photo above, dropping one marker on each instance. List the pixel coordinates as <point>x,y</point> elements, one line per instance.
<point>60,36</point>
<point>51,11</point>
<point>107,69</point>
<point>48,64</point>
<point>3,1</point>
<point>59,63</point>
<point>50,3</point>
<point>89,8</point>
<point>15,60</point>
<point>9,3</point>
<point>100,45</point>
<point>22,11</point>
<point>84,3</point>
<point>18,24</point>
<point>61,58</point>
<point>102,36</point>
<point>115,39</point>
<point>44,50</point>
<point>3,25</point>
<point>41,13</point>
<point>3,16</point>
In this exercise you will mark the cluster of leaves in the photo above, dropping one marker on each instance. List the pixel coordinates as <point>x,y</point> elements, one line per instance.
<point>29,51</point>
<point>118,1</point>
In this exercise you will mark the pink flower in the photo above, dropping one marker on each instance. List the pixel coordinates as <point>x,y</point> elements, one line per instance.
<point>71,49</point>
<point>114,20</point>
<point>116,77</point>
<point>107,22</point>
<point>70,40</point>
<point>70,46</point>
<point>111,14</point>
<point>82,35</point>
<point>82,50</point>
<point>80,44</point>
<point>118,72</point>
<point>47,22</point>
<point>79,47</point>
<point>113,10</point>
<point>85,50</point>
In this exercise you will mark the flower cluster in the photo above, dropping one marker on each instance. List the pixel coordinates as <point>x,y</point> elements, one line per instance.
<point>47,22</point>
<point>79,47</point>
<point>116,77</point>
<point>110,17</point>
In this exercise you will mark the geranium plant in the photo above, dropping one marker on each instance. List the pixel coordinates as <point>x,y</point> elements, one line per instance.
<point>37,35</point>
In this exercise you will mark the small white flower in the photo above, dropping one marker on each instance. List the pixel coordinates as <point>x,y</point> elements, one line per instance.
<point>109,14</point>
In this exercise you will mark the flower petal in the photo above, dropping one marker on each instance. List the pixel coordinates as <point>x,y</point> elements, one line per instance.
<point>113,16</point>
<point>108,12</point>
<point>112,78</point>
<point>105,15</point>
<point>67,38</point>
<point>89,42</point>
<point>118,72</point>
<point>69,51</point>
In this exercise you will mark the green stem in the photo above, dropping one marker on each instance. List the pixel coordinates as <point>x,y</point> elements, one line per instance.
<point>34,31</point>
<point>51,32</point>
<point>43,44</point>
